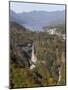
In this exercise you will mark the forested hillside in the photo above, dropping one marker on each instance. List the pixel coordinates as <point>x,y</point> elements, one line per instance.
<point>50,52</point>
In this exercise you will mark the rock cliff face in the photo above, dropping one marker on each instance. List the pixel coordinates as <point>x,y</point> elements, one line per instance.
<point>23,53</point>
<point>20,49</point>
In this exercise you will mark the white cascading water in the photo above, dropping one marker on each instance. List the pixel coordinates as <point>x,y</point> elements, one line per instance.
<point>59,76</point>
<point>33,58</point>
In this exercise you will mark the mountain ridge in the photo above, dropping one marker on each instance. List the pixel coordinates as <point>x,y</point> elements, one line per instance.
<point>36,20</point>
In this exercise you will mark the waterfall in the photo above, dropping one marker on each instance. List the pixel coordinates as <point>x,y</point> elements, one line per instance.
<point>59,76</point>
<point>33,58</point>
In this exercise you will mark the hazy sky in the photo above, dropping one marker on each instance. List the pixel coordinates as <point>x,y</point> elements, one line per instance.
<point>27,7</point>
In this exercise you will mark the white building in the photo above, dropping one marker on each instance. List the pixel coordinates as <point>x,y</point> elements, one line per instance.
<point>63,36</point>
<point>52,31</point>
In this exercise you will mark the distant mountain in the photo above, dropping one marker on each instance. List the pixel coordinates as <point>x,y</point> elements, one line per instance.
<point>36,20</point>
<point>14,17</point>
